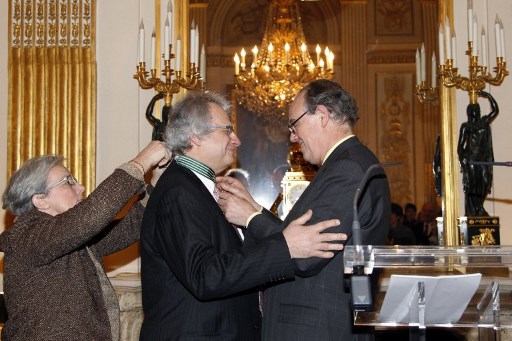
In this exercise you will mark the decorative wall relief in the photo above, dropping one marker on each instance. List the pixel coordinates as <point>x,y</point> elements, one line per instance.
<point>395,135</point>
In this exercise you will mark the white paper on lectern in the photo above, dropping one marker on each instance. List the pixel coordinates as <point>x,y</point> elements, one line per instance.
<point>446,297</point>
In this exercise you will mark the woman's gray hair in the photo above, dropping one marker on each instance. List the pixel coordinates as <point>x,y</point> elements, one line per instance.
<point>340,103</point>
<point>191,116</point>
<point>28,181</point>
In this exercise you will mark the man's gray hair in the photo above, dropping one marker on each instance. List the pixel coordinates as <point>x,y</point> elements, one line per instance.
<point>191,116</point>
<point>340,103</point>
<point>29,180</point>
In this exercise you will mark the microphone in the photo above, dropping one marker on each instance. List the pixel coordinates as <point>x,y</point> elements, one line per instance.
<point>361,291</point>
<point>496,163</point>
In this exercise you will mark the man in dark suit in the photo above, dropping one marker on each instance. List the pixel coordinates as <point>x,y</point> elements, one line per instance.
<point>316,305</point>
<point>199,281</point>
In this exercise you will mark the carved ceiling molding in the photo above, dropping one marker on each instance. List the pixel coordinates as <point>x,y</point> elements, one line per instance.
<point>391,57</point>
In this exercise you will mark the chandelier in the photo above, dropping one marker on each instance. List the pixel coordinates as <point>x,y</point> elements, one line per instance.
<point>269,80</point>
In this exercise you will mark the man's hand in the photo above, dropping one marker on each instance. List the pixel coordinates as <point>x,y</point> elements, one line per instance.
<point>307,241</point>
<point>235,187</point>
<point>236,210</point>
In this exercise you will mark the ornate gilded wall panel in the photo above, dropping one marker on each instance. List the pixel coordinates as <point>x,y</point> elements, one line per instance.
<point>52,84</point>
<point>395,131</point>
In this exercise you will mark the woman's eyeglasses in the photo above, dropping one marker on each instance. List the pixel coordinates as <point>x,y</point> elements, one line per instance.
<point>70,179</point>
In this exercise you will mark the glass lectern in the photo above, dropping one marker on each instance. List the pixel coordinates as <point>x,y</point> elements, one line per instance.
<point>489,307</point>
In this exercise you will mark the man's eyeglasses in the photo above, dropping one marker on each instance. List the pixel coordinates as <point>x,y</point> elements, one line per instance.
<point>229,129</point>
<point>291,126</point>
<point>70,179</point>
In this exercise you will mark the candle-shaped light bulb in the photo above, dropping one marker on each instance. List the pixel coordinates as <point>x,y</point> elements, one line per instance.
<point>454,49</point>
<point>255,56</point>
<point>502,40</point>
<point>141,41</point>
<point>497,37</point>
<point>423,62</point>
<point>484,47</point>
<point>321,64</point>
<point>153,50</point>
<point>242,54</point>
<point>170,17</point>
<point>303,50</point>
<point>318,50</point>
<point>331,60</point>
<point>448,37</point>
<point>441,45</point>
<point>192,42</point>
<point>178,52</point>
<point>434,71</point>
<point>202,70</point>
<point>166,39</point>
<point>237,64</point>
<point>418,67</point>
<point>326,53</point>
<point>287,53</point>
<point>475,36</point>
<point>270,50</point>
<point>470,20</point>
<point>196,47</point>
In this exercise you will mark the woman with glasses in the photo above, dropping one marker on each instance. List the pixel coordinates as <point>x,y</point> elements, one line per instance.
<point>54,283</point>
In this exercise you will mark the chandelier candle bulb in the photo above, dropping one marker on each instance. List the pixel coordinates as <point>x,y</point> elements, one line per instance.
<point>287,53</point>
<point>318,50</point>
<point>237,64</point>
<point>303,50</point>
<point>141,42</point>
<point>255,56</point>
<point>270,50</point>
<point>242,63</point>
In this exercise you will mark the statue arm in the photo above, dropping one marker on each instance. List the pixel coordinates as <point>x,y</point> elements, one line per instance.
<point>149,110</point>
<point>492,102</point>
<point>462,142</point>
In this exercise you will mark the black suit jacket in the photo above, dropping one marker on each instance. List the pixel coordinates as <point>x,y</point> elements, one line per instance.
<point>198,279</point>
<point>316,305</point>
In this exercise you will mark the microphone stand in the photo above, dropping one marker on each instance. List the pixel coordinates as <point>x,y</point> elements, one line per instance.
<point>360,286</point>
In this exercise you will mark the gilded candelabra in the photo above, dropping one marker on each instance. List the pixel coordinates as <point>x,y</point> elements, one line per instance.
<point>478,75</point>
<point>426,93</point>
<point>448,72</point>
<point>169,85</point>
<point>171,81</point>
